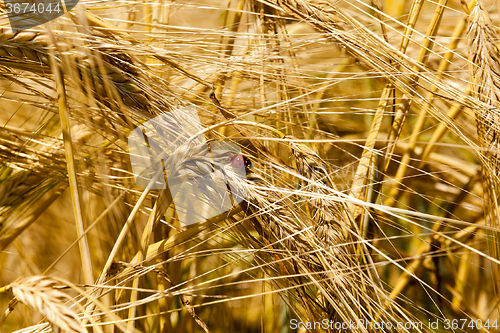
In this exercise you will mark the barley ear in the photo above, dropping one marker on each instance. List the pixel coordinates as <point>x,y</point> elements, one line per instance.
<point>38,292</point>
<point>484,57</point>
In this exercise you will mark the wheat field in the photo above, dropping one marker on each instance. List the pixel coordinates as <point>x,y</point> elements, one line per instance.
<point>370,131</point>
